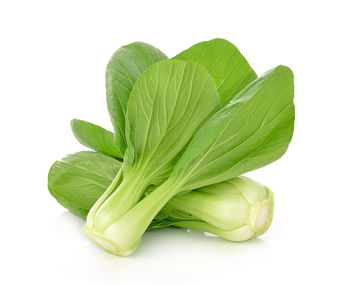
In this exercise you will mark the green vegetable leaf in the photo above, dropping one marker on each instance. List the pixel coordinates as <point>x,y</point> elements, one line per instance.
<point>79,179</point>
<point>167,105</point>
<point>123,69</point>
<point>225,64</point>
<point>253,130</point>
<point>95,137</point>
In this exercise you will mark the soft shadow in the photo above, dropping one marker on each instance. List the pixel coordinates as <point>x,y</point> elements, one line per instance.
<point>68,218</point>
<point>192,239</point>
<point>157,242</point>
<point>67,225</point>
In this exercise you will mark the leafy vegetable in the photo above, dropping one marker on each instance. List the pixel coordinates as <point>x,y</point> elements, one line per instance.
<point>167,104</point>
<point>250,132</point>
<point>124,68</point>
<point>182,154</point>
<point>237,209</point>
<point>95,137</point>
<point>229,69</point>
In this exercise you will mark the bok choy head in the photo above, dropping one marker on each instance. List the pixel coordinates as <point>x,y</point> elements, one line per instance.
<point>251,131</point>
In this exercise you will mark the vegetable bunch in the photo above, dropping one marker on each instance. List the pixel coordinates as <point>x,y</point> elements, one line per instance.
<point>185,129</point>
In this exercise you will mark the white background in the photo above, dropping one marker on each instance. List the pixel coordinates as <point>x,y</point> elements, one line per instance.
<point>53,56</point>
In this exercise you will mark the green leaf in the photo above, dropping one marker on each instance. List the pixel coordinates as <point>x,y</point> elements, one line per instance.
<point>95,137</point>
<point>225,64</point>
<point>79,179</point>
<point>253,130</point>
<point>167,104</point>
<point>123,69</point>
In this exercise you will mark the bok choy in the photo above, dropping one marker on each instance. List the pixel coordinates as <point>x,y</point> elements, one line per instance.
<point>253,130</point>
<point>185,130</point>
